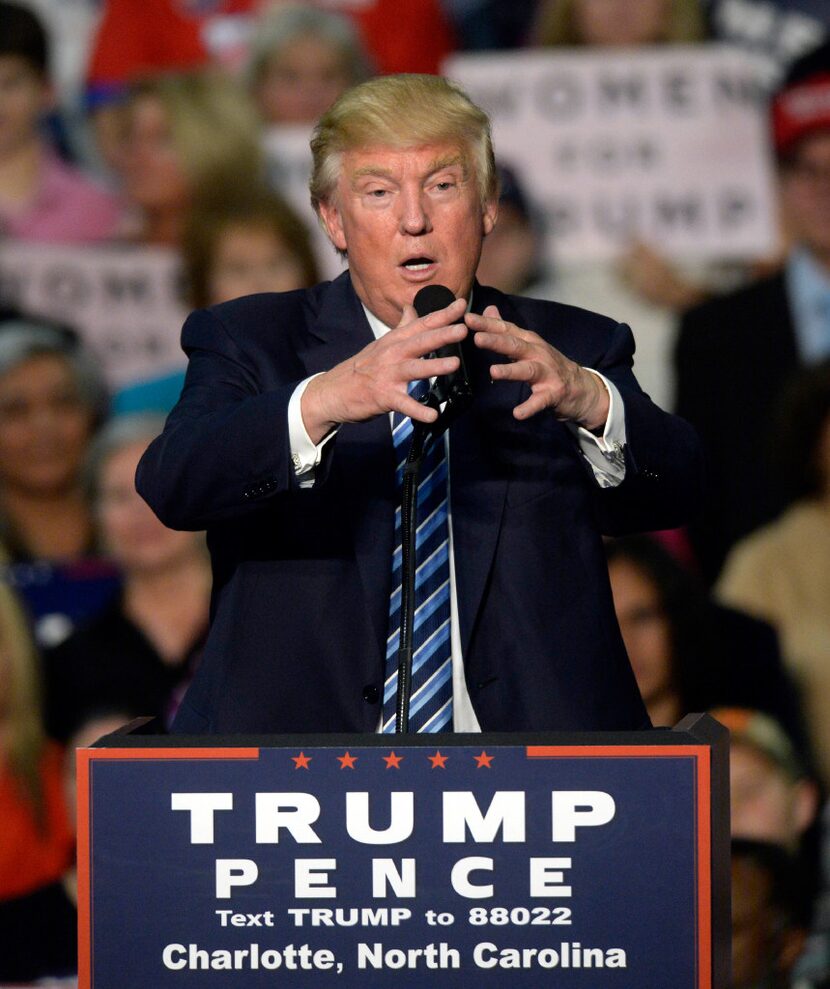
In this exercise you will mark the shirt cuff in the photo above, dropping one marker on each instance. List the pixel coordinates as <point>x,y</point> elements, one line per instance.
<point>605,453</point>
<point>305,454</point>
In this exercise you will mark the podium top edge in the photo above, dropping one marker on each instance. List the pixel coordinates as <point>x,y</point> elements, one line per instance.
<point>696,729</point>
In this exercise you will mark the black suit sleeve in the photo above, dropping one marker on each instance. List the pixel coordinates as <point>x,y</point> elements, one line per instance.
<point>225,445</point>
<point>663,484</point>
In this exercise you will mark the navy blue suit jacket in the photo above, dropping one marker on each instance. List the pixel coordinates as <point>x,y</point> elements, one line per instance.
<point>302,576</point>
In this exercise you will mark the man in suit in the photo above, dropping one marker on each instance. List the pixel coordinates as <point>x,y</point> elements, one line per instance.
<point>281,448</point>
<point>734,353</point>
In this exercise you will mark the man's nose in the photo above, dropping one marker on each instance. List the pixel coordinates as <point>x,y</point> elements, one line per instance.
<point>415,218</point>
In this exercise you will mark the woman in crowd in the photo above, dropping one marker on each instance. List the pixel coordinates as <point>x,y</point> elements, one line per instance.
<point>234,244</point>
<point>240,244</point>
<point>51,399</point>
<point>39,929</point>
<point>781,572</point>
<point>36,842</point>
<point>619,23</point>
<point>141,650</point>
<point>301,60</point>
<point>42,198</point>
<point>185,132</point>
<point>689,654</point>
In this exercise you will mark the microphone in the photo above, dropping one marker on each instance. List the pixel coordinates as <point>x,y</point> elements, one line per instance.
<point>451,393</point>
<point>431,298</point>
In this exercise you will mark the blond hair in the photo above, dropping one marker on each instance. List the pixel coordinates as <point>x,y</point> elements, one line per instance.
<point>213,125</point>
<point>20,711</point>
<point>402,111</point>
<point>556,24</point>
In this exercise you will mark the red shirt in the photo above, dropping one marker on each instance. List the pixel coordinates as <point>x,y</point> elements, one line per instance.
<point>142,36</point>
<point>31,857</point>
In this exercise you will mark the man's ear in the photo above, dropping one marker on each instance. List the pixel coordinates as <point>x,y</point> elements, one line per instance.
<point>489,215</point>
<point>333,223</point>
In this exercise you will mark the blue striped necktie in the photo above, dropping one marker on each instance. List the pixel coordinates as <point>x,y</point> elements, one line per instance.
<point>430,707</point>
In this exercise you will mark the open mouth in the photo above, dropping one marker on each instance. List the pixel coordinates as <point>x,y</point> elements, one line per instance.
<point>420,263</point>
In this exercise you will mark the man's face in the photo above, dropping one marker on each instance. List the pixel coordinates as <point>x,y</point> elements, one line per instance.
<point>407,218</point>
<point>805,195</point>
<point>764,799</point>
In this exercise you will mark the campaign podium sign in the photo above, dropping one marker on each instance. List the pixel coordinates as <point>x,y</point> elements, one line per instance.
<point>446,860</point>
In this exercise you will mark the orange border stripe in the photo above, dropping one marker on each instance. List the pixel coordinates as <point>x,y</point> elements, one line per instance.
<point>701,754</point>
<point>84,758</point>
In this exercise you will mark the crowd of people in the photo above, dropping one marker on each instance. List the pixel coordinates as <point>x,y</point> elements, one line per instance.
<point>145,124</point>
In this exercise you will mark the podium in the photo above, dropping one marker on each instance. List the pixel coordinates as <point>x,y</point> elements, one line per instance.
<point>584,861</point>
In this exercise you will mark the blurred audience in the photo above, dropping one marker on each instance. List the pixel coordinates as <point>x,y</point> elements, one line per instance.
<point>51,398</point>
<point>246,243</point>
<point>511,253</point>
<point>781,572</point>
<point>301,60</point>
<point>735,352</point>
<point>773,796</point>
<point>491,24</point>
<point>42,198</point>
<point>185,133</point>
<point>619,23</point>
<point>768,924</point>
<point>39,930</point>
<point>36,843</point>
<point>159,35</point>
<point>243,242</point>
<point>141,650</point>
<point>775,800</point>
<point>642,288</point>
<point>688,653</point>
<point>775,32</point>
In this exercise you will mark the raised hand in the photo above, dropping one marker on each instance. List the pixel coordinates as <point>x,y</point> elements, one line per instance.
<point>374,381</point>
<point>557,383</point>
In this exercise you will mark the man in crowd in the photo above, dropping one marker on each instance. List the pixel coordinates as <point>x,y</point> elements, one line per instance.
<point>297,406</point>
<point>735,352</point>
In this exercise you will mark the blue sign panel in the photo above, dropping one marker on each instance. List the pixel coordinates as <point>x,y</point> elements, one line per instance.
<point>441,865</point>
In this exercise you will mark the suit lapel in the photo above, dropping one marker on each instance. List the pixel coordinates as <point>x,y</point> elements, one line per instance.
<point>363,456</point>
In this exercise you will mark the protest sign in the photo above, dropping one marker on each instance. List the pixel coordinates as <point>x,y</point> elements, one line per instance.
<point>289,164</point>
<point>667,146</point>
<point>124,301</point>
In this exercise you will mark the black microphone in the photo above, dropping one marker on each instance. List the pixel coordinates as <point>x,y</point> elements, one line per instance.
<point>449,393</point>
<point>431,298</point>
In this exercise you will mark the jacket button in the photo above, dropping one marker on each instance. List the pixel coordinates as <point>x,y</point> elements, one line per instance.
<point>371,694</point>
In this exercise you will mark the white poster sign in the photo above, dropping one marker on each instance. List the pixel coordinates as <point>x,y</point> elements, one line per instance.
<point>289,162</point>
<point>668,146</point>
<point>124,301</point>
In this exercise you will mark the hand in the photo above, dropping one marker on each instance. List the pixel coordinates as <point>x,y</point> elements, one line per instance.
<point>556,382</point>
<point>374,381</point>
<point>650,275</point>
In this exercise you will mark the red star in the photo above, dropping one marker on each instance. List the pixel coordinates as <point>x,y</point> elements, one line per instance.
<point>438,761</point>
<point>347,761</point>
<point>483,761</point>
<point>301,761</point>
<point>393,761</point>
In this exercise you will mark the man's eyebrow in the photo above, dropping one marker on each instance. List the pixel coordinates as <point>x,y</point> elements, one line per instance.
<point>447,161</point>
<point>372,170</point>
<point>437,165</point>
